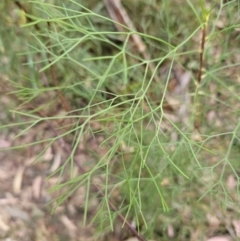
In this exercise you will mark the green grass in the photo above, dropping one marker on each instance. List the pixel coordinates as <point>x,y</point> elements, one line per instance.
<point>113,93</point>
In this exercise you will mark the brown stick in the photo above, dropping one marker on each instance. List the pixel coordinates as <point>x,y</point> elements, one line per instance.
<point>198,105</point>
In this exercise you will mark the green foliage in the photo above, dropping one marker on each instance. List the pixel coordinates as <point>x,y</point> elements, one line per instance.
<point>152,158</point>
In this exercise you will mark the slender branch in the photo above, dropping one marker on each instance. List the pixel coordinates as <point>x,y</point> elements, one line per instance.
<point>198,105</point>
<point>113,208</point>
<point>121,217</point>
<point>101,193</point>
<point>202,53</point>
<point>67,150</point>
